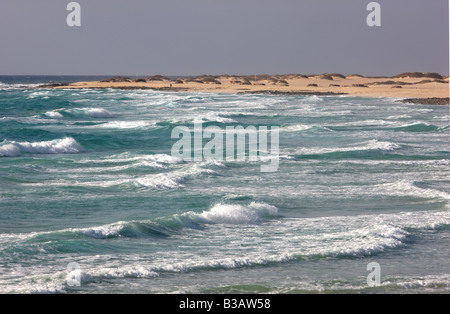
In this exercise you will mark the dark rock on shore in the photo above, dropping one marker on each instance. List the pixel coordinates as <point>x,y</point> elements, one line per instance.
<point>173,89</point>
<point>427,101</point>
<point>53,85</point>
<point>293,93</point>
<point>192,80</point>
<point>117,79</point>
<point>158,78</point>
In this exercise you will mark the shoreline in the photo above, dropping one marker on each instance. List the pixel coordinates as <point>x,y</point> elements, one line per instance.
<point>428,101</point>
<point>424,88</point>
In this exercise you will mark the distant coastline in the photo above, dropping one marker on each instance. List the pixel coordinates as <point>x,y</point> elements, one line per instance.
<point>412,87</point>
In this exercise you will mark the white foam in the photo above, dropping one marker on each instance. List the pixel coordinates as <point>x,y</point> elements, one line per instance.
<point>287,240</point>
<point>60,146</point>
<point>296,127</point>
<point>409,188</point>
<point>440,162</point>
<point>99,113</point>
<point>54,115</point>
<point>30,120</point>
<point>44,93</point>
<point>206,117</point>
<point>4,86</point>
<point>155,181</point>
<point>233,214</point>
<point>237,214</point>
<point>247,238</point>
<point>161,181</point>
<point>107,168</point>
<point>167,180</point>
<point>380,145</point>
<point>419,282</point>
<point>129,157</point>
<point>396,117</point>
<point>216,118</point>
<point>364,123</point>
<point>414,123</point>
<point>163,158</point>
<point>102,232</point>
<point>369,145</point>
<point>130,271</point>
<point>172,180</point>
<point>91,112</point>
<point>9,150</point>
<point>125,124</point>
<point>313,99</point>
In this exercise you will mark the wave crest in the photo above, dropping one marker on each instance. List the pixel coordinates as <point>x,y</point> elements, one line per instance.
<point>372,145</point>
<point>231,214</point>
<point>237,214</point>
<point>79,112</point>
<point>66,145</point>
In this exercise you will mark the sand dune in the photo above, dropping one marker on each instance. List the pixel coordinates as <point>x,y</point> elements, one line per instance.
<point>405,85</point>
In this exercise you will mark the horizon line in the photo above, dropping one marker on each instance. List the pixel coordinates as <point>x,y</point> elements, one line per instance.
<point>223,74</point>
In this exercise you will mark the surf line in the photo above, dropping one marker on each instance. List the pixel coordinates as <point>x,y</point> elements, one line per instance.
<point>234,143</point>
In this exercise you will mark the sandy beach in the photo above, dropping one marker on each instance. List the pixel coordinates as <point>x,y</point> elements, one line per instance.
<point>407,85</point>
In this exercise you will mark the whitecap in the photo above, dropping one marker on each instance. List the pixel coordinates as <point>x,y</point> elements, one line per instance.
<point>60,146</point>
<point>369,145</point>
<point>296,128</point>
<point>236,214</point>
<point>91,112</point>
<point>9,150</point>
<point>412,188</point>
<point>54,115</point>
<point>160,159</point>
<point>99,113</point>
<point>124,124</point>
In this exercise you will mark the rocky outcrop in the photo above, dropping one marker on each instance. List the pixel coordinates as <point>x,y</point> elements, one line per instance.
<point>427,101</point>
<point>159,78</point>
<point>117,79</point>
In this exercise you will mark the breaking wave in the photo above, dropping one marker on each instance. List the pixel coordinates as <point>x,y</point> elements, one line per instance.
<point>60,146</point>
<point>79,112</point>
<point>372,145</point>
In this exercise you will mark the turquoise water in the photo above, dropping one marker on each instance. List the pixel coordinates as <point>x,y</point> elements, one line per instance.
<point>87,177</point>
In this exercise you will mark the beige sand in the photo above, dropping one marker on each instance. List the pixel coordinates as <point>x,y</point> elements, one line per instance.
<point>351,85</point>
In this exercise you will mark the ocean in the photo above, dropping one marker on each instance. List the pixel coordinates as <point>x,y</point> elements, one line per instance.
<point>92,199</point>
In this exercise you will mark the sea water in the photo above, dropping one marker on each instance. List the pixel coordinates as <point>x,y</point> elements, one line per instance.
<point>87,178</point>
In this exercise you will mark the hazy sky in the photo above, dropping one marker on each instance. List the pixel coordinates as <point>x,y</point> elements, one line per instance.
<point>194,37</point>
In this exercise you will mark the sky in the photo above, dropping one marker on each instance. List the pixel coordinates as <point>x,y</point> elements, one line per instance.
<point>195,37</point>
